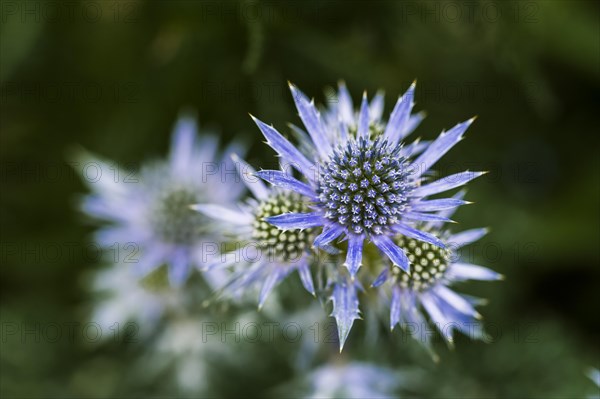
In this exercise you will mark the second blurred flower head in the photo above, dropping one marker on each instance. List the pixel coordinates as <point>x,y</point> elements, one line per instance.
<point>152,211</point>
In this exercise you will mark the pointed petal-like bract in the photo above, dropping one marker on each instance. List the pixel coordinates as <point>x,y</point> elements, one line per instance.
<point>456,321</point>
<point>231,258</point>
<point>395,307</point>
<point>312,121</point>
<point>456,301</point>
<point>363,119</point>
<point>394,252</point>
<point>284,180</point>
<point>437,316</point>
<point>247,172</point>
<point>414,148</point>
<point>466,271</point>
<point>446,183</point>
<point>289,221</point>
<point>273,278</point>
<point>344,134</point>
<point>418,234</point>
<point>354,255</point>
<point>382,278</point>
<point>285,149</point>
<point>440,146</point>
<point>466,237</point>
<point>396,125</point>
<point>438,204</point>
<point>445,213</point>
<point>425,217</point>
<point>345,107</point>
<point>222,213</point>
<point>182,144</point>
<point>329,234</point>
<point>345,308</point>
<point>376,107</point>
<point>413,122</point>
<point>306,278</point>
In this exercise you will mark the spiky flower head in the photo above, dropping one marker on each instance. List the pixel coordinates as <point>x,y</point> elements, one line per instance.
<point>265,254</point>
<point>149,210</point>
<point>428,289</point>
<point>280,245</point>
<point>364,183</point>
<point>364,187</point>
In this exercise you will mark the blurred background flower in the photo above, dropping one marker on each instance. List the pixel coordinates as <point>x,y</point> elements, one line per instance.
<point>148,212</point>
<point>263,254</point>
<point>347,380</point>
<point>594,375</point>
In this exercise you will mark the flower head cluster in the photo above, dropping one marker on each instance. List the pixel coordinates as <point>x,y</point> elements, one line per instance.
<point>365,184</point>
<point>267,254</point>
<point>427,289</point>
<point>354,202</point>
<point>366,187</point>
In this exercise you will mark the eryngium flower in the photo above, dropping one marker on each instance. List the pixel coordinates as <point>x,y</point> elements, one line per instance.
<point>364,184</point>
<point>362,180</point>
<point>149,211</point>
<point>427,289</point>
<point>265,254</point>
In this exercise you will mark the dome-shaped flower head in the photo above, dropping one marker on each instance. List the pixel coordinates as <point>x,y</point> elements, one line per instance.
<point>427,289</point>
<point>149,212</point>
<point>264,254</point>
<point>365,185</point>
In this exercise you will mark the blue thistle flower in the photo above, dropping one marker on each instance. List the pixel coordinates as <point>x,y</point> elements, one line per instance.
<point>364,184</point>
<point>151,208</point>
<point>428,288</point>
<point>267,254</point>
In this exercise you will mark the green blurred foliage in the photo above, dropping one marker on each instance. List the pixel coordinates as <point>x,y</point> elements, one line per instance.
<point>112,76</point>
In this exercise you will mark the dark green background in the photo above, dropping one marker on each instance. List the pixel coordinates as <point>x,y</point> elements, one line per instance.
<point>112,77</point>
